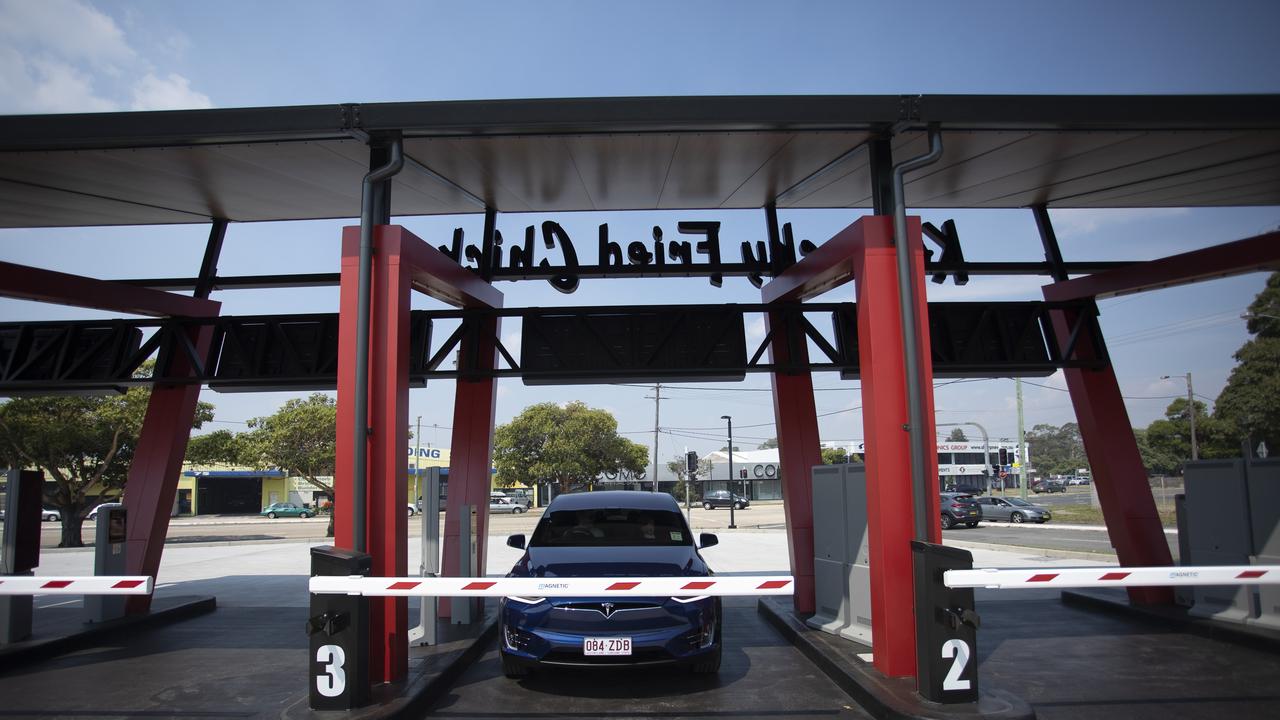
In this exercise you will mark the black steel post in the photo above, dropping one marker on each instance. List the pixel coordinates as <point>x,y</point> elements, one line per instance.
<point>881,169</point>
<point>946,626</point>
<point>209,266</point>
<point>729,485</point>
<point>373,207</point>
<point>1049,239</point>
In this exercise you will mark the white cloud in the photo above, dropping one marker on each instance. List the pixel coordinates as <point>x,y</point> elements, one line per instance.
<point>66,28</point>
<point>1075,222</point>
<point>172,92</point>
<point>61,56</point>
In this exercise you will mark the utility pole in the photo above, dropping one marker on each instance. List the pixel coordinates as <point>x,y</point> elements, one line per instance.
<point>657,402</point>
<point>1022,444</point>
<point>1191,413</point>
<point>417,458</point>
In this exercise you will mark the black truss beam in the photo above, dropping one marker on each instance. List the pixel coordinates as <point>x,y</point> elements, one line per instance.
<point>598,272</point>
<point>559,346</point>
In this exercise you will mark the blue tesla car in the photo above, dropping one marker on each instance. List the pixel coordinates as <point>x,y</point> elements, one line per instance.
<point>610,534</point>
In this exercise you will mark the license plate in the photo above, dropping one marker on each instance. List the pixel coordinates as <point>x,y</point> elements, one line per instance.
<point>606,646</point>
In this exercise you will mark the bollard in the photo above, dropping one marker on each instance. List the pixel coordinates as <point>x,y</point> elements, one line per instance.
<point>946,627</point>
<point>19,549</point>
<point>339,630</point>
<point>110,535</point>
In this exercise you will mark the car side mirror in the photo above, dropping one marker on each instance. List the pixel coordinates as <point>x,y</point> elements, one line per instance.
<point>706,540</point>
<point>516,541</point>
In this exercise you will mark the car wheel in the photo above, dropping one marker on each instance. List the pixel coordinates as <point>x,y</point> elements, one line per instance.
<point>711,665</point>
<point>93,516</point>
<point>513,669</point>
<point>972,525</point>
<point>1018,517</point>
<point>271,515</point>
<point>1040,521</point>
<point>739,506</point>
<point>947,522</point>
<point>303,515</point>
<point>517,510</point>
<point>706,506</point>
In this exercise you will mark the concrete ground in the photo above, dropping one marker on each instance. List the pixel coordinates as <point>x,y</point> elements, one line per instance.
<point>248,659</point>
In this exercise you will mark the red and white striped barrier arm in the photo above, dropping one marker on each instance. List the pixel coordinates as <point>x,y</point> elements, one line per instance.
<point>553,587</point>
<point>100,585</point>
<point>1002,579</point>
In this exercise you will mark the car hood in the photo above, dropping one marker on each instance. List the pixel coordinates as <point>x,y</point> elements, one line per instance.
<point>677,561</point>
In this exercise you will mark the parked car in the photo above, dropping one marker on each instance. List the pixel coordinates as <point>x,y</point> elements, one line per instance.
<point>724,498</point>
<point>1079,480</point>
<point>965,489</point>
<point>412,510</point>
<point>958,509</point>
<point>93,514</point>
<point>49,514</point>
<point>522,500</point>
<point>1048,486</point>
<point>285,509</point>
<point>505,505</point>
<point>610,534</point>
<point>1013,510</point>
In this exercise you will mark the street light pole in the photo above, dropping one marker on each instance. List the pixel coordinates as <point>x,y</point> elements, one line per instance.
<point>729,484</point>
<point>1191,413</point>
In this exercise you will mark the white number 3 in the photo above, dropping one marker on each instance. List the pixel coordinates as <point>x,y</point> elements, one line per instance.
<point>958,649</point>
<point>334,680</point>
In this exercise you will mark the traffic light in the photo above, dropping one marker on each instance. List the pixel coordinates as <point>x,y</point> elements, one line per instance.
<point>1004,456</point>
<point>691,462</point>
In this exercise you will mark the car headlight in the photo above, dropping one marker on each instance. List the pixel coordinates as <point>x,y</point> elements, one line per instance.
<point>526,600</point>
<point>690,599</point>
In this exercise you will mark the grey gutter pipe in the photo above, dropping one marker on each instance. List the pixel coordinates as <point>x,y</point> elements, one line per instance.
<point>906,301</point>
<point>359,479</point>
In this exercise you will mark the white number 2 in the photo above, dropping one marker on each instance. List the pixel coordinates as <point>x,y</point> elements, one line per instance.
<point>958,649</point>
<point>334,680</point>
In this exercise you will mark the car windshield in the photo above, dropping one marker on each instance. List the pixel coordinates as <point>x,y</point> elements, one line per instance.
<point>1019,502</point>
<point>611,526</point>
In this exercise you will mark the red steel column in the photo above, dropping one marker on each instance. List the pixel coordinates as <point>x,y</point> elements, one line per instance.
<point>1128,508</point>
<point>798,451</point>
<point>156,467</point>
<point>386,485</point>
<point>884,417</point>
<point>471,452</point>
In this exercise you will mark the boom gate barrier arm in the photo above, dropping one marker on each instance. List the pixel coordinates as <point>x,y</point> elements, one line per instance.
<point>1159,576</point>
<point>553,587</point>
<point>77,585</point>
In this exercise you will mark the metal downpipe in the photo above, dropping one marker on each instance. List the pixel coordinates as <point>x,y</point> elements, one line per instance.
<point>921,486</point>
<point>359,475</point>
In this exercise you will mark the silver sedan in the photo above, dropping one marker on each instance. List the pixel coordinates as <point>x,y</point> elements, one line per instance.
<point>1013,510</point>
<point>504,505</point>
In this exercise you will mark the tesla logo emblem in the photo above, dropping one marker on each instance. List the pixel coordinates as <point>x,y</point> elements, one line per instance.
<point>607,608</point>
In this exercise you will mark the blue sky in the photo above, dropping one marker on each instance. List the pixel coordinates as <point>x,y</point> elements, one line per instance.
<point>74,55</point>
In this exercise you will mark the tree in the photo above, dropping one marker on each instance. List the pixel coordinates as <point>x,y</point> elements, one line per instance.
<point>1156,461</point>
<point>1056,450</point>
<point>957,435</point>
<point>219,446</point>
<point>1169,439</point>
<point>300,438</point>
<point>678,468</point>
<point>834,456</point>
<point>769,444</point>
<point>80,443</point>
<point>568,445</point>
<point>1248,408</point>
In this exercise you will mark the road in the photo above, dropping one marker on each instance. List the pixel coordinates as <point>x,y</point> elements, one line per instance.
<point>761,516</point>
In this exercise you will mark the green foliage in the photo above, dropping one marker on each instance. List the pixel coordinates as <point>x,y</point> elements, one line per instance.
<point>1249,405</point>
<point>677,467</point>
<point>300,438</point>
<point>219,446</point>
<point>79,442</point>
<point>957,435</point>
<point>1056,450</point>
<point>568,445</point>
<point>769,444</point>
<point>835,456</point>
